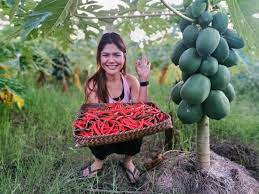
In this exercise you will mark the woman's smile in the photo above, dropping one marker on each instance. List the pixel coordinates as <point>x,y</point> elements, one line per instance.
<point>112,67</point>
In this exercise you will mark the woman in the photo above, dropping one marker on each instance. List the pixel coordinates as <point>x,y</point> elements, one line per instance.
<point>111,84</point>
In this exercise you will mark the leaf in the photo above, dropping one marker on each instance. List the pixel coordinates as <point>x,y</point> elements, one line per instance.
<point>18,100</point>
<point>246,25</point>
<point>186,3</point>
<point>73,7</point>
<point>49,14</point>
<point>14,9</point>
<point>12,84</point>
<point>62,33</point>
<point>35,20</point>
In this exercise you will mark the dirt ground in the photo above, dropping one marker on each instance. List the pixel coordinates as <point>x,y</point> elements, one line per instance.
<point>232,170</point>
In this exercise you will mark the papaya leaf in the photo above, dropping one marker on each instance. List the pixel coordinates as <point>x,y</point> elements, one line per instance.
<point>49,14</point>
<point>242,17</point>
<point>14,9</point>
<point>13,84</point>
<point>35,19</point>
<point>62,33</point>
<point>186,3</point>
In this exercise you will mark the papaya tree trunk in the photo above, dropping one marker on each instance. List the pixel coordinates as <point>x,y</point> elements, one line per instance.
<point>41,79</point>
<point>64,85</point>
<point>203,143</point>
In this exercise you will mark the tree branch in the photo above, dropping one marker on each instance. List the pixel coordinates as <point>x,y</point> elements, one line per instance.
<point>123,16</point>
<point>208,5</point>
<point>177,12</point>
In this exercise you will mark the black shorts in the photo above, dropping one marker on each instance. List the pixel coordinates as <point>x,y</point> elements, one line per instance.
<point>128,148</point>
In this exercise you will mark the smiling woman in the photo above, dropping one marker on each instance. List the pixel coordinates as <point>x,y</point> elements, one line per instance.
<point>111,84</point>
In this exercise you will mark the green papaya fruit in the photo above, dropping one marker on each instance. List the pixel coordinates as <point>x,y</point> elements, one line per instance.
<point>189,61</point>
<point>205,19</point>
<point>222,51</point>
<point>175,93</point>
<point>229,91</point>
<point>207,41</point>
<point>195,89</point>
<point>190,35</point>
<point>220,79</point>
<point>231,60</point>
<point>183,24</point>
<point>233,39</point>
<point>220,22</point>
<point>177,52</point>
<point>209,66</point>
<point>217,105</point>
<point>189,114</point>
<point>198,7</point>
<point>185,76</point>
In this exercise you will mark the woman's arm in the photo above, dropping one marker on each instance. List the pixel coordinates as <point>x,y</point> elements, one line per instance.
<point>142,67</point>
<point>90,95</point>
<point>138,93</point>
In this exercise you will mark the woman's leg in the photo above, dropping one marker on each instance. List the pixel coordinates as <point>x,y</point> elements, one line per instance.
<point>129,149</point>
<point>131,170</point>
<point>100,153</point>
<point>128,162</point>
<point>95,166</point>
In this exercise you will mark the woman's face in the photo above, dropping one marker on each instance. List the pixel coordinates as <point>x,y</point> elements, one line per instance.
<point>112,59</point>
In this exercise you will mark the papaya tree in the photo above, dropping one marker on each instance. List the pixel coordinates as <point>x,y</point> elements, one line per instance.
<point>204,55</point>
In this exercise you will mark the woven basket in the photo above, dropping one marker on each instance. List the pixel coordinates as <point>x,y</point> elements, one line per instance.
<point>81,141</point>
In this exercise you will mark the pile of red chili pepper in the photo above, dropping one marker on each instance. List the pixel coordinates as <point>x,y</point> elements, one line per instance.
<point>115,118</point>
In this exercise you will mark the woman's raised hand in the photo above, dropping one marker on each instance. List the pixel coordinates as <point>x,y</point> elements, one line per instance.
<point>142,67</point>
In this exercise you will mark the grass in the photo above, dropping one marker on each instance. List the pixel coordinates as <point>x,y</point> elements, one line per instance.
<point>37,153</point>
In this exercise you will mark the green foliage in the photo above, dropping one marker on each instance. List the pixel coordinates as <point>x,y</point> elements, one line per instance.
<point>245,23</point>
<point>50,15</point>
<point>11,84</point>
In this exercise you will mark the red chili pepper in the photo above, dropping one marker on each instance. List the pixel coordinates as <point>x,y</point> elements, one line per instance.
<point>95,129</point>
<point>118,117</point>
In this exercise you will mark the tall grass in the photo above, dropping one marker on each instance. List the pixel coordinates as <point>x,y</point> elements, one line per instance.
<point>37,152</point>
